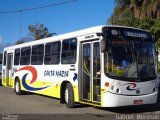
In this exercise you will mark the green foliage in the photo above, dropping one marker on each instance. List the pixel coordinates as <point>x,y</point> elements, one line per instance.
<point>39,31</point>
<point>155,30</point>
<point>20,42</point>
<point>123,19</point>
<point>145,23</point>
<point>121,3</point>
<point>24,40</point>
<point>36,32</point>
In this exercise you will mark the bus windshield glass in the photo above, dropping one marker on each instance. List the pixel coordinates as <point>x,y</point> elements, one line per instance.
<point>129,56</point>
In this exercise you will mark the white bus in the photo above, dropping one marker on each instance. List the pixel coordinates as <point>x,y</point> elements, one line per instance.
<point>106,66</point>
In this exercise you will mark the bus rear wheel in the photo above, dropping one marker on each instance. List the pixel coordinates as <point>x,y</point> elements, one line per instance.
<point>69,96</point>
<point>17,88</point>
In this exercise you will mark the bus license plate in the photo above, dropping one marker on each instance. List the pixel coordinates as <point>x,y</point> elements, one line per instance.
<point>138,102</point>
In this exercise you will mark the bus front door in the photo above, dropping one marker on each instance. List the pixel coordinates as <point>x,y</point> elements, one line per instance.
<point>91,82</point>
<point>9,69</point>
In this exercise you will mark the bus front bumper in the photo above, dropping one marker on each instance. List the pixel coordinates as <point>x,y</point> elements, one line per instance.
<point>115,100</point>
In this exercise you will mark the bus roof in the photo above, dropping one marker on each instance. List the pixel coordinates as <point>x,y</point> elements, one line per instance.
<point>87,31</point>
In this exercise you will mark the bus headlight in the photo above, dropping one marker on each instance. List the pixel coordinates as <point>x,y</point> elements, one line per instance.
<point>154,89</point>
<point>117,90</point>
<point>112,87</point>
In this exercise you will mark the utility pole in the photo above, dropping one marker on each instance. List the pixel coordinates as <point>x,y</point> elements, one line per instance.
<point>20,24</point>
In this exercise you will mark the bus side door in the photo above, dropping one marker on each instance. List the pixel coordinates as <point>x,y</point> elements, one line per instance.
<point>90,80</point>
<point>9,66</point>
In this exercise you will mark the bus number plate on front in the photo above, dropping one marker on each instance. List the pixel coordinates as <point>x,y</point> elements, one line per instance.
<point>138,102</point>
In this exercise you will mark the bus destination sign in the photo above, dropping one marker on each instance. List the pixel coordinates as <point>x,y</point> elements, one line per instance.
<point>135,34</point>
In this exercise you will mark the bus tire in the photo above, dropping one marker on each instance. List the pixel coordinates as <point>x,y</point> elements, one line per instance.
<point>69,96</point>
<point>17,88</point>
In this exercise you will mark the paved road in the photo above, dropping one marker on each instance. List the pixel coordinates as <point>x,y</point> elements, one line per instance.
<point>37,104</point>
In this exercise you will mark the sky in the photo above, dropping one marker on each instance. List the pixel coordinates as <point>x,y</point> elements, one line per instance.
<point>60,19</point>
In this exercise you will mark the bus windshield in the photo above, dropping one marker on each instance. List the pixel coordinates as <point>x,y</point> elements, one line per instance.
<point>145,59</point>
<point>130,58</point>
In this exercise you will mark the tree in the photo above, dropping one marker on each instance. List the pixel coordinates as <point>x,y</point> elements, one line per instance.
<point>39,31</point>
<point>36,32</point>
<point>24,40</point>
<point>140,8</point>
<point>20,42</point>
<point>155,30</point>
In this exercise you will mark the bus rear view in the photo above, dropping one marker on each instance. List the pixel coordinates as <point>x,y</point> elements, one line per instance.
<point>129,76</point>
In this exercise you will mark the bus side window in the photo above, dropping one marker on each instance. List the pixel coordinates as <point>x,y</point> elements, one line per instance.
<point>4,58</point>
<point>69,51</point>
<point>52,53</point>
<point>25,56</point>
<point>16,56</point>
<point>37,54</point>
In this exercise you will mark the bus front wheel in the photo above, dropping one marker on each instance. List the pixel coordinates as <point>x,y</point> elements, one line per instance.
<point>69,96</point>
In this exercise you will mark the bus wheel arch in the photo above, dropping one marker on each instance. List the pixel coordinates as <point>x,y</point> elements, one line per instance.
<point>67,91</point>
<point>17,86</point>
